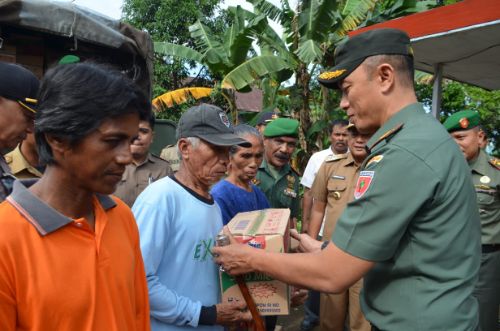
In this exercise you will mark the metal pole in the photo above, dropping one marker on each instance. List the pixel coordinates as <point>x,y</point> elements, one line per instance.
<point>437,90</point>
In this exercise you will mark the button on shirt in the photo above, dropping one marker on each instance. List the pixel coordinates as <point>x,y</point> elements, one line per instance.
<point>415,214</point>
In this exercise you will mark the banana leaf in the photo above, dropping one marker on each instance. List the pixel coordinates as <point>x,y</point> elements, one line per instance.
<point>179,96</point>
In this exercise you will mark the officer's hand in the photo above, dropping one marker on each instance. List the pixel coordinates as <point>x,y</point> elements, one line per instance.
<point>306,243</point>
<point>235,258</point>
<point>233,312</point>
<point>299,296</point>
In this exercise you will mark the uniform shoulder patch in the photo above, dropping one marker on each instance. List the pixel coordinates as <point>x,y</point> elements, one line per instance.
<point>364,180</point>
<point>375,159</point>
<point>388,134</point>
<point>335,157</point>
<point>495,163</point>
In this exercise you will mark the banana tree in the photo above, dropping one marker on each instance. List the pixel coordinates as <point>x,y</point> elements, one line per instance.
<point>230,58</point>
<point>311,31</point>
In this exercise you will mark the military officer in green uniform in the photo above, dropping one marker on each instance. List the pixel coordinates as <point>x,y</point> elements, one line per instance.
<point>464,128</point>
<point>145,167</point>
<point>275,177</point>
<point>412,230</point>
<point>23,160</point>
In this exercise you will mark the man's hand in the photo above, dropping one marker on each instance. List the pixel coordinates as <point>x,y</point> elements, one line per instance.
<point>234,258</point>
<point>299,296</point>
<point>306,243</point>
<point>233,312</point>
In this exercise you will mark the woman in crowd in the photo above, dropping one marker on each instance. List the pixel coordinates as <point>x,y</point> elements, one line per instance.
<point>237,193</point>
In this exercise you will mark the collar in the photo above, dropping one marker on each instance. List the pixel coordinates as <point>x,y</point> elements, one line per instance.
<point>43,217</point>
<point>394,124</point>
<point>149,158</point>
<point>349,161</point>
<point>18,162</point>
<point>480,163</point>
<point>281,172</point>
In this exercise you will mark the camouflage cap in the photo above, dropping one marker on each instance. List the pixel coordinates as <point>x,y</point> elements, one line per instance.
<point>462,120</point>
<point>350,54</point>
<point>282,127</point>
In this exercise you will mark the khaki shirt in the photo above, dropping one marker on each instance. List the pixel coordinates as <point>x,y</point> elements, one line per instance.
<point>137,177</point>
<point>334,184</point>
<point>169,154</point>
<point>19,166</point>
<point>486,178</point>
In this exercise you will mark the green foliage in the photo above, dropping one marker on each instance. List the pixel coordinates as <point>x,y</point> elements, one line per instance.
<point>168,20</point>
<point>458,96</point>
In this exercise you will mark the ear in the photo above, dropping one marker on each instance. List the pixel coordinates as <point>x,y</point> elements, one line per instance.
<point>385,76</point>
<point>184,148</point>
<point>58,145</point>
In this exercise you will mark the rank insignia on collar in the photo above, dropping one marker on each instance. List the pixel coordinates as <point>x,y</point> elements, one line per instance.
<point>364,180</point>
<point>255,181</point>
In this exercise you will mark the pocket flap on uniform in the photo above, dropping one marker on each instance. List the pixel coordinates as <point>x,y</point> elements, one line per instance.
<point>335,184</point>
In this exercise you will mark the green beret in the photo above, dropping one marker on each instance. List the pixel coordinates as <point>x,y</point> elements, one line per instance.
<point>462,120</point>
<point>282,127</point>
<point>350,54</point>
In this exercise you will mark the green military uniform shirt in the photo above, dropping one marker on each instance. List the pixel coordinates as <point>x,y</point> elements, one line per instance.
<point>137,177</point>
<point>281,187</point>
<point>486,178</point>
<point>19,166</point>
<point>334,184</point>
<point>415,214</point>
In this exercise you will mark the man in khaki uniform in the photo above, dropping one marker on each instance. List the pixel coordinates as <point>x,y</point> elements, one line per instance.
<point>464,128</point>
<point>332,189</point>
<point>18,90</point>
<point>23,161</point>
<point>145,167</point>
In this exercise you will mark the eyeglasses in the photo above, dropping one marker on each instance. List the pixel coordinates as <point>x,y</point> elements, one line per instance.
<point>7,181</point>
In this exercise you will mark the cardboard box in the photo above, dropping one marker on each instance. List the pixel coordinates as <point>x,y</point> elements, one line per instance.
<point>265,229</point>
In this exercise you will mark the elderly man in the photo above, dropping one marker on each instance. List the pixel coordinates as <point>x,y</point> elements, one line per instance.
<point>145,167</point>
<point>69,253</point>
<point>178,222</point>
<point>464,128</point>
<point>412,230</point>
<point>18,89</point>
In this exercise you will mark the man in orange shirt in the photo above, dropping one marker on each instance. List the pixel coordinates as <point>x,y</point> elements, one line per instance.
<point>70,258</point>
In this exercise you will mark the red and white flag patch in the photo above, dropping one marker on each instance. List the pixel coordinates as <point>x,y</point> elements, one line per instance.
<point>364,181</point>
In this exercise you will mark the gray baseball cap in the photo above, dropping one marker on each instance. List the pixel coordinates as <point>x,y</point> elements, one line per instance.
<point>210,123</point>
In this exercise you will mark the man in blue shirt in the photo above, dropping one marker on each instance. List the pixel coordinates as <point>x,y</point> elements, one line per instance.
<point>178,221</point>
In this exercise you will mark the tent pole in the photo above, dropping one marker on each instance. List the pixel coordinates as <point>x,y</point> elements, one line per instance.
<point>437,90</point>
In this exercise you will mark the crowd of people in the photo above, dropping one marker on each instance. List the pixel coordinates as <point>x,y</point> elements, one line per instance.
<point>400,214</point>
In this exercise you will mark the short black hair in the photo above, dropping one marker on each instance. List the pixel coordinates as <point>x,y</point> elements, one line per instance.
<point>151,120</point>
<point>340,122</point>
<point>403,64</point>
<point>74,99</point>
